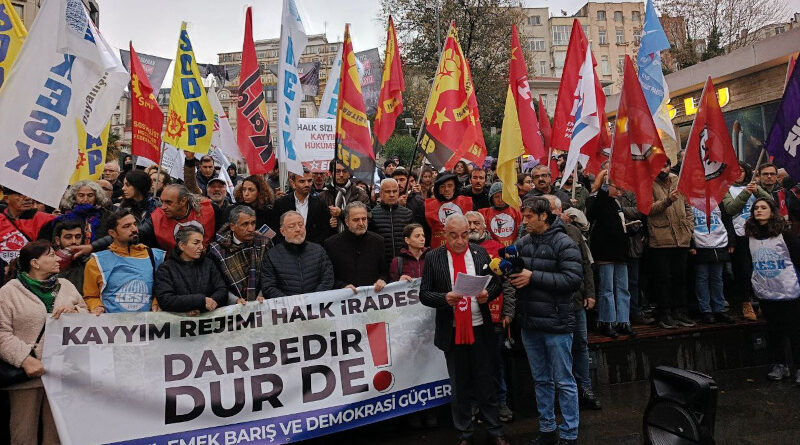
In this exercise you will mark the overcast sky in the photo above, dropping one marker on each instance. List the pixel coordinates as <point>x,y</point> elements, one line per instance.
<point>217,26</point>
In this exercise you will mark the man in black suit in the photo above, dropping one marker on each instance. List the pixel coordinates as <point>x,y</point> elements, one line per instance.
<point>464,328</point>
<point>313,209</point>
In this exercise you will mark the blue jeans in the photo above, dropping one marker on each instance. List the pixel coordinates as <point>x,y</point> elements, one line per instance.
<point>580,351</point>
<point>633,285</point>
<point>614,300</point>
<point>708,286</point>
<point>550,359</point>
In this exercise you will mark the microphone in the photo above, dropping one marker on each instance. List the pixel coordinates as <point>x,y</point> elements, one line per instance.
<point>504,267</point>
<point>508,252</point>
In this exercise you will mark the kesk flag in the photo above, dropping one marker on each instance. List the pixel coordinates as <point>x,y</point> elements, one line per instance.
<point>784,136</point>
<point>252,127</point>
<point>148,120</point>
<point>710,165</point>
<point>64,71</point>
<point>523,99</point>
<point>290,91</point>
<point>637,155</point>
<point>222,138</point>
<point>651,77</point>
<point>587,120</point>
<point>12,34</point>
<point>353,141</point>
<point>451,126</point>
<point>329,102</point>
<point>390,101</point>
<point>564,117</point>
<point>190,119</point>
<point>91,154</point>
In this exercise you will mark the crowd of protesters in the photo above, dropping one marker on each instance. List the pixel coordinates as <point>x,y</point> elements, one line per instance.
<point>577,257</point>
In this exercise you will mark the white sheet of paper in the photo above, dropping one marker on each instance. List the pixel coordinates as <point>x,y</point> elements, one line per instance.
<point>470,285</point>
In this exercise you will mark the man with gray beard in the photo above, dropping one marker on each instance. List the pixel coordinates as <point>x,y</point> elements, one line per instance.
<point>357,255</point>
<point>295,266</point>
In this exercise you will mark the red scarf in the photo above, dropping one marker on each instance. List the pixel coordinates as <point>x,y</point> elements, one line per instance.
<point>462,312</point>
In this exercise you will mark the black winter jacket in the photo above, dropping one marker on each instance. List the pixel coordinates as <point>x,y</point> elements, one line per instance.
<point>318,225</point>
<point>182,286</point>
<point>608,240</point>
<point>555,260</point>
<point>388,222</point>
<point>292,269</point>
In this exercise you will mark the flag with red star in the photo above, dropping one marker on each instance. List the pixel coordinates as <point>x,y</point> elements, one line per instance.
<point>452,124</point>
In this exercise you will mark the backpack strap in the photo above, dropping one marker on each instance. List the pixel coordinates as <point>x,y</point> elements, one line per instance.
<point>152,261</point>
<point>399,265</point>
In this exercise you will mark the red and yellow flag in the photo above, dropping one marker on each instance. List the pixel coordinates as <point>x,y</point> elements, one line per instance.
<point>252,129</point>
<point>353,141</point>
<point>523,99</point>
<point>148,119</point>
<point>452,124</point>
<point>390,101</point>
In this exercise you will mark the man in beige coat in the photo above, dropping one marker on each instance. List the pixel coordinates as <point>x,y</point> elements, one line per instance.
<point>670,225</point>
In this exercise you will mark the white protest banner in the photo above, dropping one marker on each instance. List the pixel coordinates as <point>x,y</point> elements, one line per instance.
<point>281,371</point>
<point>317,138</point>
<point>172,161</point>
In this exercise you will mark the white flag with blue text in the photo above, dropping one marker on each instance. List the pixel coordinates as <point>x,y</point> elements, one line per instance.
<point>330,99</point>
<point>584,108</point>
<point>58,79</point>
<point>290,91</point>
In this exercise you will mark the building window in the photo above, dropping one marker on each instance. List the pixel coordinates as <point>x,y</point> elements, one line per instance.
<point>561,34</point>
<point>620,36</point>
<point>618,16</point>
<point>636,16</point>
<point>606,69</point>
<point>601,15</point>
<point>535,44</point>
<point>637,35</point>
<point>779,30</point>
<point>20,10</point>
<point>621,61</point>
<point>534,20</point>
<point>544,101</point>
<point>558,58</point>
<point>302,112</point>
<point>602,36</point>
<point>585,30</point>
<point>542,68</point>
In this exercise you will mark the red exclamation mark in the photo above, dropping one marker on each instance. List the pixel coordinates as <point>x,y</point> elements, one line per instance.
<point>378,337</point>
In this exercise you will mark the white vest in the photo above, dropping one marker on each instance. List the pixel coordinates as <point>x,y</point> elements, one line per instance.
<point>716,238</point>
<point>741,218</point>
<point>774,275</point>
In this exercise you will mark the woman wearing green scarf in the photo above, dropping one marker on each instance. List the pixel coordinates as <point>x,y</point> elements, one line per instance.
<point>33,293</point>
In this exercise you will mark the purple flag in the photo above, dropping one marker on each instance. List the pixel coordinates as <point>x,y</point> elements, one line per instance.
<point>784,138</point>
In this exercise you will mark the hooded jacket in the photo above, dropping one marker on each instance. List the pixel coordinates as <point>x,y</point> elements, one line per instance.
<point>670,224</point>
<point>545,304</point>
<point>438,208</point>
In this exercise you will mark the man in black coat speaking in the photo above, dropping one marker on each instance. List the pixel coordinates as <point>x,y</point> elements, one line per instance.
<point>464,327</point>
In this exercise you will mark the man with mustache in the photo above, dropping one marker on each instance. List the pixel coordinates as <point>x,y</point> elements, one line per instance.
<point>20,223</point>
<point>358,255</point>
<point>120,279</point>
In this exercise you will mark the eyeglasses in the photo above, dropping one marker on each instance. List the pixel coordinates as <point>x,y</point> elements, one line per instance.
<point>769,174</point>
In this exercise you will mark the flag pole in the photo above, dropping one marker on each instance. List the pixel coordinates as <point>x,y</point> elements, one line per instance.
<point>575,181</point>
<point>158,169</point>
<point>760,158</point>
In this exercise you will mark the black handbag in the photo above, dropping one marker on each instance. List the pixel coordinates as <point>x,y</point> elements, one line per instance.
<point>10,374</point>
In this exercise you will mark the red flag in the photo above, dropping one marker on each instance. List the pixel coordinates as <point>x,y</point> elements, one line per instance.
<point>710,165</point>
<point>148,119</point>
<point>544,125</point>
<point>390,101</point>
<point>353,141</point>
<point>252,129</point>
<point>567,91</point>
<point>523,97</point>
<point>637,155</point>
<point>452,126</point>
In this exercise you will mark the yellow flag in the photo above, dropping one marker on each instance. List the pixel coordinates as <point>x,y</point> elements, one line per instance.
<point>511,148</point>
<point>190,120</point>
<point>91,154</point>
<point>12,34</point>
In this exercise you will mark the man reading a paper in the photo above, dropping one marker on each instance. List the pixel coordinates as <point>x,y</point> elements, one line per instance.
<point>464,325</point>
